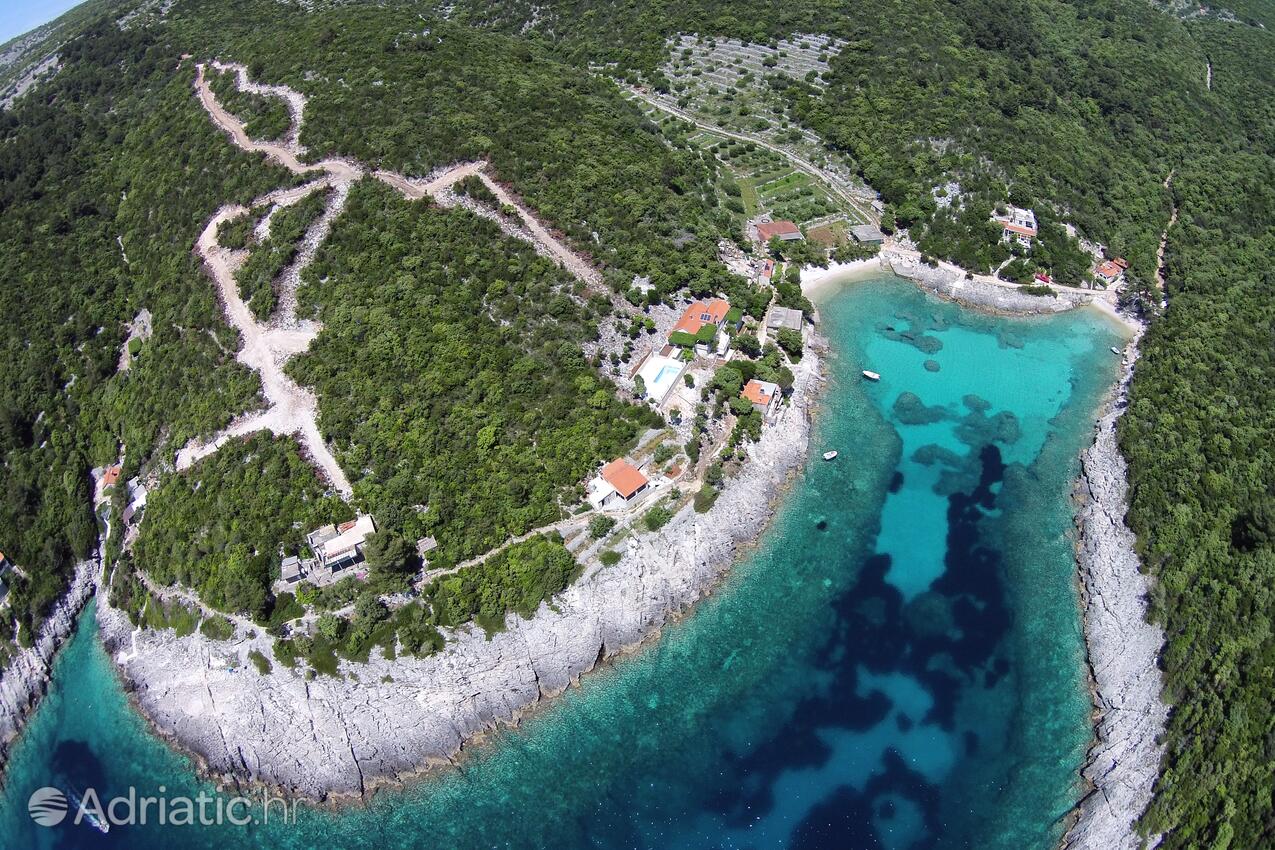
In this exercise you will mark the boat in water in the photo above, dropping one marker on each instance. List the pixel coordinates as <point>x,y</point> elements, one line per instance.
<point>75,797</point>
<point>1115,350</point>
<point>829,455</point>
<point>871,376</point>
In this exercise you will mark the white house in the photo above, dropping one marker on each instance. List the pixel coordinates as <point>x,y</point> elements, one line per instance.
<point>339,546</point>
<point>1017,225</point>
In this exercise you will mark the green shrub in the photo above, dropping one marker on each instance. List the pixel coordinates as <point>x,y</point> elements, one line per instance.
<point>600,526</point>
<point>217,628</point>
<point>260,662</point>
<point>704,499</point>
<point>790,341</point>
<point>657,517</point>
<point>286,653</point>
<point>609,557</point>
<point>516,579</point>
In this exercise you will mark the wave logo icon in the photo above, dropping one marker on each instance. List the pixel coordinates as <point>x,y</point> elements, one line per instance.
<point>47,806</point>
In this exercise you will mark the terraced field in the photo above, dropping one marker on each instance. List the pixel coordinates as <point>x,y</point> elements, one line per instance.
<point>731,87</point>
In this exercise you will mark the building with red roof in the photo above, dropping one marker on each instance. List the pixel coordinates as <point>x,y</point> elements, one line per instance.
<point>1111,272</point>
<point>1018,225</point>
<point>619,484</point>
<point>764,231</point>
<point>763,395</point>
<point>701,313</point>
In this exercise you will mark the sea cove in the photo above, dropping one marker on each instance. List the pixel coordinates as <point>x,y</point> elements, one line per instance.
<point>899,659</point>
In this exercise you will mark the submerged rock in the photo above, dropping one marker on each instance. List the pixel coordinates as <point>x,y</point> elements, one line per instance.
<point>908,409</point>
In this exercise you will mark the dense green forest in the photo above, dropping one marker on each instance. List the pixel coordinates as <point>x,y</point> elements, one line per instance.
<point>1081,110</point>
<point>513,580</point>
<point>113,148</point>
<point>450,370</point>
<point>263,117</point>
<point>257,276</point>
<point>117,146</point>
<point>203,532</point>
<point>412,97</point>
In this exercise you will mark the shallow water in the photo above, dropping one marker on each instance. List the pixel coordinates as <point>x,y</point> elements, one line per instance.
<point>898,664</point>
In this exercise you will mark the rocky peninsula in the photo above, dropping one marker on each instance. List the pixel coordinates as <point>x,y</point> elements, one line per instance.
<point>384,721</point>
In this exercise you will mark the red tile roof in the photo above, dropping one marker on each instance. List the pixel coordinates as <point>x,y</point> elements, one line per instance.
<point>111,475</point>
<point>1018,228</point>
<point>1109,270</point>
<point>699,314</point>
<point>758,392</point>
<point>624,477</point>
<point>767,230</point>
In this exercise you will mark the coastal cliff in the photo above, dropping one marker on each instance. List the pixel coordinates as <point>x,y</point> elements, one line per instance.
<point>387,720</point>
<point>26,678</point>
<point>1124,761</point>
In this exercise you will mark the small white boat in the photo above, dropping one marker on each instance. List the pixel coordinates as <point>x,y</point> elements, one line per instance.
<point>829,455</point>
<point>1115,350</point>
<point>871,376</point>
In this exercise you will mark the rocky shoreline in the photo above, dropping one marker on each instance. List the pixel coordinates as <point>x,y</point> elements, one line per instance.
<point>26,678</point>
<point>386,721</point>
<point>1123,763</point>
<point>950,282</point>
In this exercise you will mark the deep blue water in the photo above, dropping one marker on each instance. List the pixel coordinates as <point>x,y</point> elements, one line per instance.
<point>898,663</point>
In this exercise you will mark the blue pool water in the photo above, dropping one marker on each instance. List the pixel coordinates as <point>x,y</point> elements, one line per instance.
<point>897,664</point>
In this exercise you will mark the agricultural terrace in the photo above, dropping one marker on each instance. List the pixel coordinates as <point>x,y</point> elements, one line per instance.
<point>737,89</point>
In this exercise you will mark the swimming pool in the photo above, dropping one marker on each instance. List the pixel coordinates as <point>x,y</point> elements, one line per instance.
<point>660,373</point>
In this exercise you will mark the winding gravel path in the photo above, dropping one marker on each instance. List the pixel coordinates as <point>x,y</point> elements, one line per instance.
<point>267,347</point>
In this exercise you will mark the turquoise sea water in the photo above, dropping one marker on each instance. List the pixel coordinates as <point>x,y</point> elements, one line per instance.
<point>898,663</point>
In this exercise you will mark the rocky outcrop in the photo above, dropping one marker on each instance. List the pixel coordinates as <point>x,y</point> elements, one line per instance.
<point>1124,761</point>
<point>26,678</point>
<point>385,720</point>
<point>950,282</point>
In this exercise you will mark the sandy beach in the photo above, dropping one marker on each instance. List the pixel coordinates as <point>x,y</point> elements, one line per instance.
<point>818,284</point>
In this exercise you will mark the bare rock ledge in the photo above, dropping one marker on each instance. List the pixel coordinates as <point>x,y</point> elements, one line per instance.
<point>386,720</point>
<point>1124,761</point>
